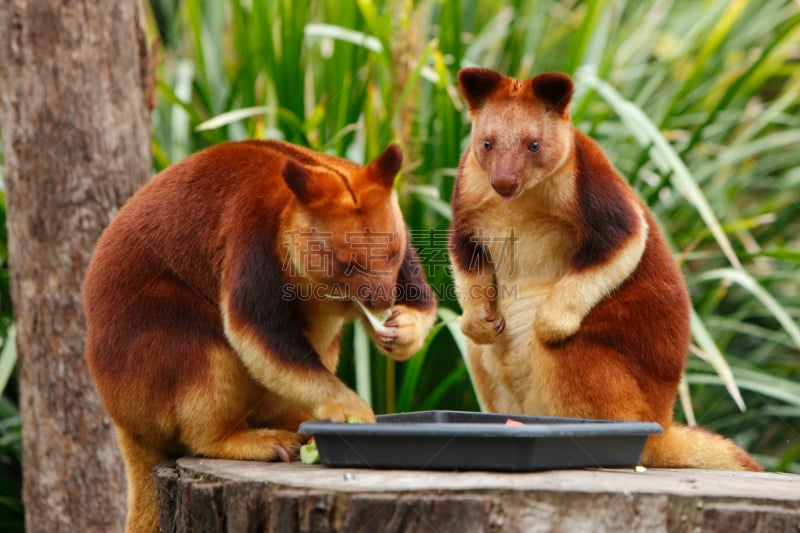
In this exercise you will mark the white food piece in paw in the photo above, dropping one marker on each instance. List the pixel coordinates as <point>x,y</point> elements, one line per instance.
<point>377,318</point>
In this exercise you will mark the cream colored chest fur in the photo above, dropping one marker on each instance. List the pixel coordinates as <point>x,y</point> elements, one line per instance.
<point>530,247</point>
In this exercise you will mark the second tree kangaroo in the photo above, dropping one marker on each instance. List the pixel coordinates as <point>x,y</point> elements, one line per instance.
<point>572,302</point>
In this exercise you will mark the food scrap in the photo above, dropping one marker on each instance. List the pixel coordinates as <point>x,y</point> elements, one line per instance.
<point>512,422</point>
<point>309,455</point>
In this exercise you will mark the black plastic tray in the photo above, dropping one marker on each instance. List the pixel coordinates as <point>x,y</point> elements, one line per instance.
<point>457,440</point>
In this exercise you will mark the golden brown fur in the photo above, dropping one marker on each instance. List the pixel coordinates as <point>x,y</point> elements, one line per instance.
<point>209,327</point>
<point>572,303</point>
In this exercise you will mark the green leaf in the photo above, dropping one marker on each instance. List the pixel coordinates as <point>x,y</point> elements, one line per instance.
<point>746,281</point>
<point>361,354</point>
<point>709,352</point>
<point>757,381</point>
<point>229,117</point>
<point>8,357</point>
<point>432,401</point>
<point>413,370</point>
<point>332,31</point>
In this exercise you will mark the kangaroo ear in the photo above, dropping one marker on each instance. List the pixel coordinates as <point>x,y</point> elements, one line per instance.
<point>554,89</point>
<point>385,167</point>
<point>477,84</point>
<point>300,180</point>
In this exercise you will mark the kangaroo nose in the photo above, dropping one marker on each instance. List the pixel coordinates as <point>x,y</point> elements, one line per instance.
<point>506,186</point>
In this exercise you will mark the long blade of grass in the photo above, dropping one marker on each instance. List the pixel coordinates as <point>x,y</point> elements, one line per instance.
<point>235,115</point>
<point>168,94</point>
<point>709,352</point>
<point>180,118</point>
<point>380,29</point>
<point>738,153</point>
<point>585,34</point>
<point>747,282</point>
<point>413,77</point>
<point>361,354</point>
<point>766,336</point>
<point>413,370</point>
<point>436,204</point>
<point>331,31</point>
<point>8,357</point>
<point>451,321</point>
<point>686,401</point>
<point>489,41</point>
<point>772,111</point>
<point>757,381</point>
<point>433,399</point>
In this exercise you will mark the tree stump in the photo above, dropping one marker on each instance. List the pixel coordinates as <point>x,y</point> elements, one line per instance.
<point>212,495</point>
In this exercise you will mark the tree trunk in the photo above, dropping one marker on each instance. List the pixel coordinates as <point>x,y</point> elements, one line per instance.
<point>76,129</point>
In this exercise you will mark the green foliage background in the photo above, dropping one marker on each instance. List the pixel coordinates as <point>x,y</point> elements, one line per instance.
<point>697,103</point>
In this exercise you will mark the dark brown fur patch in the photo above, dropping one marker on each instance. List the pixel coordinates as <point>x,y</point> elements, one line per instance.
<point>477,85</point>
<point>466,251</point>
<point>387,165</point>
<point>608,218</point>
<point>255,299</point>
<point>554,89</point>
<point>412,287</point>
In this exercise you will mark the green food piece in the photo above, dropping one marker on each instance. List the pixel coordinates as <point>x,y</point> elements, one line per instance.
<point>309,455</point>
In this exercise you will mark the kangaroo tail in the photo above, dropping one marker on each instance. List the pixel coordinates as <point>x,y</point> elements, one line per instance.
<point>694,447</point>
<point>142,498</point>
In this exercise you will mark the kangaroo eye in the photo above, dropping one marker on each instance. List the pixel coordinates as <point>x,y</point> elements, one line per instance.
<point>487,145</point>
<point>534,146</point>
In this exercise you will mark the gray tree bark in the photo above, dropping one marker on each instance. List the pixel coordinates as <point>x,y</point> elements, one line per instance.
<point>76,131</point>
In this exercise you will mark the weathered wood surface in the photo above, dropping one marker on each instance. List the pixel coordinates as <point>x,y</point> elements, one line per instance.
<point>225,496</point>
